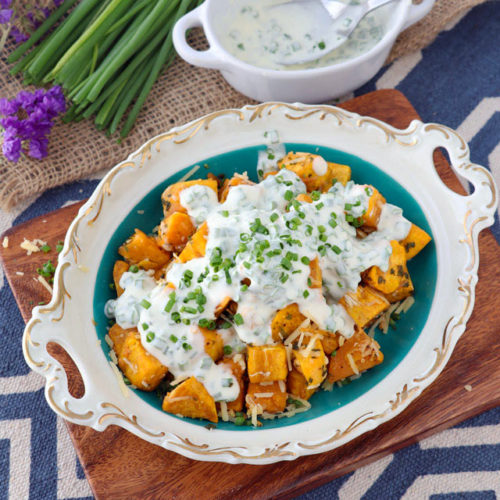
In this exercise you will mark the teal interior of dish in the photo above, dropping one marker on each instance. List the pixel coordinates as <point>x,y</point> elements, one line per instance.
<point>395,344</point>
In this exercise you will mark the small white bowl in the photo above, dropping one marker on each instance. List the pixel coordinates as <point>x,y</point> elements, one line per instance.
<point>305,85</point>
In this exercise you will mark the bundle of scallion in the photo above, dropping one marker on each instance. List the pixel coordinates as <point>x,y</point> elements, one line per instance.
<point>105,54</point>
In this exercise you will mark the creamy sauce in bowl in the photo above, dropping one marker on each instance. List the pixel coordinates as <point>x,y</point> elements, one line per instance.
<point>264,33</point>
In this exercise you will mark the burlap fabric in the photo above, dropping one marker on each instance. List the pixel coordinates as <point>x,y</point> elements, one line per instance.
<point>182,93</point>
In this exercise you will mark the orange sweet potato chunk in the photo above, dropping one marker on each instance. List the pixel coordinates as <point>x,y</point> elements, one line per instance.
<point>310,167</point>
<point>312,363</point>
<point>119,268</point>
<point>315,273</point>
<point>286,321</point>
<point>363,351</point>
<point>375,204</point>
<point>118,335</point>
<point>396,275</point>
<point>143,251</point>
<point>171,196</point>
<point>196,246</point>
<point>364,305</point>
<point>416,240</point>
<point>229,183</point>
<point>269,397</point>
<point>191,399</point>
<point>267,363</point>
<point>175,231</point>
<point>297,384</point>
<point>214,344</point>
<point>141,368</point>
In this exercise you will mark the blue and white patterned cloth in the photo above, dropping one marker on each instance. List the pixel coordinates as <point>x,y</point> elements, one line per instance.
<point>455,81</point>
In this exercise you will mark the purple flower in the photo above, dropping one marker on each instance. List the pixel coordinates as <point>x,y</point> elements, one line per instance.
<point>11,148</point>
<point>5,4</point>
<point>29,134</point>
<point>5,15</point>
<point>57,3</point>
<point>7,107</point>
<point>18,36</point>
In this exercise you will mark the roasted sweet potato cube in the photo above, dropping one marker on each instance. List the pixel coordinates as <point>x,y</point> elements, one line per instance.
<point>286,321</point>
<point>229,183</point>
<point>195,248</point>
<point>237,366</point>
<point>364,305</point>
<point>143,251</point>
<point>311,362</point>
<point>357,354</point>
<point>404,290</point>
<point>191,399</point>
<point>395,276</point>
<point>141,368</point>
<point>314,171</point>
<point>341,173</point>
<point>175,231</point>
<point>375,204</point>
<point>171,196</point>
<point>118,335</point>
<point>267,363</point>
<point>415,241</point>
<point>214,345</point>
<point>220,308</point>
<point>315,274</point>
<point>329,340</point>
<point>119,268</point>
<point>270,398</point>
<point>297,384</point>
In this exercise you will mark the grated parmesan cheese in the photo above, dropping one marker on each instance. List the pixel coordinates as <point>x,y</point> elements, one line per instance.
<point>186,176</point>
<point>309,347</point>
<point>113,357</point>
<point>263,394</point>
<point>352,363</point>
<point>108,340</point>
<point>29,246</point>
<point>5,242</point>
<point>19,273</point>
<point>282,385</point>
<point>468,387</point>
<point>121,383</point>
<point>43,281</point>
<point>83,268</point>
<point>223,411</point>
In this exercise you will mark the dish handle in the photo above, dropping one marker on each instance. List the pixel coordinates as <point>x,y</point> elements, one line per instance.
<point>79,410</point>
<point>476,210</point>
<point>207,58</point>
<point>417,12</point>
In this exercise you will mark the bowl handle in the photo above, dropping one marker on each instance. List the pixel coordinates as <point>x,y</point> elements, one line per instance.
<point>206,58</point>
<point>417,12</point>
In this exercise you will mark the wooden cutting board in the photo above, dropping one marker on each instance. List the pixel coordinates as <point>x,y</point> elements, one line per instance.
<point>119,465</point>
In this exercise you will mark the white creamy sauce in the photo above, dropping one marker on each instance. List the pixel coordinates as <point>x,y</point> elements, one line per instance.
<point>265,32</point>
<point>261,234</point>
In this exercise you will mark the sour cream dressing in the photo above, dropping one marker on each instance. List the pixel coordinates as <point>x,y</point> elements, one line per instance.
<point>259,247</point>
<point>264,32</point>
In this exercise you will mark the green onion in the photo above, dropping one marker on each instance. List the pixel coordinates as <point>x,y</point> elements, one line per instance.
<point>145,303</point>
<point>228,350</point>
<point>45,248</point>
<point>150,336</point>
<point>238,319</point>
<point>133,268</point>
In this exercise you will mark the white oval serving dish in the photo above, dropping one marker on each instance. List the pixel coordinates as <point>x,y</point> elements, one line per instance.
<point>455,221</point>
<point>309,85</point>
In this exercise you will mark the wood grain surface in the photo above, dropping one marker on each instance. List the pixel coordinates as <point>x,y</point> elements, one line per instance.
<point>119,465</point>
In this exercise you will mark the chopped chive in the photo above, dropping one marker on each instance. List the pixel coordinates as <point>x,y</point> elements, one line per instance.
<point>305,294</point>
<point>145,326</point>
<point>321,229</point>
<point>145,303</point>
<point>59,246</point>
<point>238,319</point>
<point>336,249</point>
<point>332,223</point>
<point>190,310</point>
<point>288,195</point>
<point>228,350</point>
<point>286,264</point>
<point>284,277</point>
<point>348,206</point>
<point>321,45</point>
<point>45,248</point>
<point>150,336</point>
<point>273,217</point>
<point>315,195</point>
<point>133,268</point>
<point>305,260</point>
<point>244,287</point>
<point>323,237</point>
<point>320,205</point>
<point>333,354</point>
<point>247,264</point>
<point>186,346</point>
<point>173,338</point>
<point>225,213</point>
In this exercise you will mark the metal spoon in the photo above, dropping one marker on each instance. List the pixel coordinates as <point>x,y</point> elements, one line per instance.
<point>345,19</point>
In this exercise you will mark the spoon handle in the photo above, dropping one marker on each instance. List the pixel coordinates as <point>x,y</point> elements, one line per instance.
<point>375,4</point>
